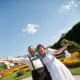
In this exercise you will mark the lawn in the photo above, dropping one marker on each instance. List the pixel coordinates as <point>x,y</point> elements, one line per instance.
<point>14,77</point>
<point>75,71</point>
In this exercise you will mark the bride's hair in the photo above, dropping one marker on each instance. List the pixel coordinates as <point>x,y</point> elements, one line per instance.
<point>40,45</point>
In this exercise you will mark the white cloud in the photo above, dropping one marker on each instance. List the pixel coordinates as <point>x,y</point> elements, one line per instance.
<point>31,28</point>
<point>69,6</point>
<point>65,30</point>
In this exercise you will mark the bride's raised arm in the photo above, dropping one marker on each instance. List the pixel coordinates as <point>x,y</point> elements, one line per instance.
<point>56,52</point>
<point>59,51</point>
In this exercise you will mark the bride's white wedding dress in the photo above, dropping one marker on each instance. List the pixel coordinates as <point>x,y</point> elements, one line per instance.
<point>57,69</point>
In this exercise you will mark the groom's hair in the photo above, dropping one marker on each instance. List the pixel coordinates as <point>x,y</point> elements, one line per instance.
<point>29,47</point>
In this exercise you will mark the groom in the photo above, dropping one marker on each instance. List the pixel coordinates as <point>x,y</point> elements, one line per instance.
<point>37,66</point>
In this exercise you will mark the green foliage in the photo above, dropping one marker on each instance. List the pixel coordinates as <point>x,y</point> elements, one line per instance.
<point>20,72</point>
<point>16,64</point>
<point>4,66</point>
<point>75,71</point>
<point>69,43</point>
<point>13,76</point>
<point>1,68</point>
<point>3,74</point>
<point>72,35</point>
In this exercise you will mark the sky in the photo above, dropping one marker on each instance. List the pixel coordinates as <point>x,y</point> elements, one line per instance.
<point>32,22</point>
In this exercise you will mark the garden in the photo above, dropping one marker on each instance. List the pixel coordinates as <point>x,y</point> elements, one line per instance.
<point>23,70</point>
<point>19,72</point>
<point>72,62</point>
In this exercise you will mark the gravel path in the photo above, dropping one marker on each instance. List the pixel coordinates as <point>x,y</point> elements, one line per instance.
<point>29,78</point>
<point>77,77</point>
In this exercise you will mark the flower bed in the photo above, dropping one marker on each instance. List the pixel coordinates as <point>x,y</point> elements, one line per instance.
<point>7,72</point>
<point>71,61</point>
<point>27,69</point>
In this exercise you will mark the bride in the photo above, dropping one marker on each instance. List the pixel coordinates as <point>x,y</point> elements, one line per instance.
<point>57,69</point>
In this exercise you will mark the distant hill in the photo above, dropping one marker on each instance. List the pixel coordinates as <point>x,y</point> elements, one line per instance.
<point>71,35</point>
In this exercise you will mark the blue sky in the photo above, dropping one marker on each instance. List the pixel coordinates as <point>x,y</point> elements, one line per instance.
<point>32,22</point>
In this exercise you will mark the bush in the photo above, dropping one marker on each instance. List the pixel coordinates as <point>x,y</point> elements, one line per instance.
<point>20,72</point>
<point>4,66</point>
<point>16,64</point>
<point>1,69</point>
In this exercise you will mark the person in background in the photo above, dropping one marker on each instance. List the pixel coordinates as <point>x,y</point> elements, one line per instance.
<point>67,53</point>
<point>57,69</point>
